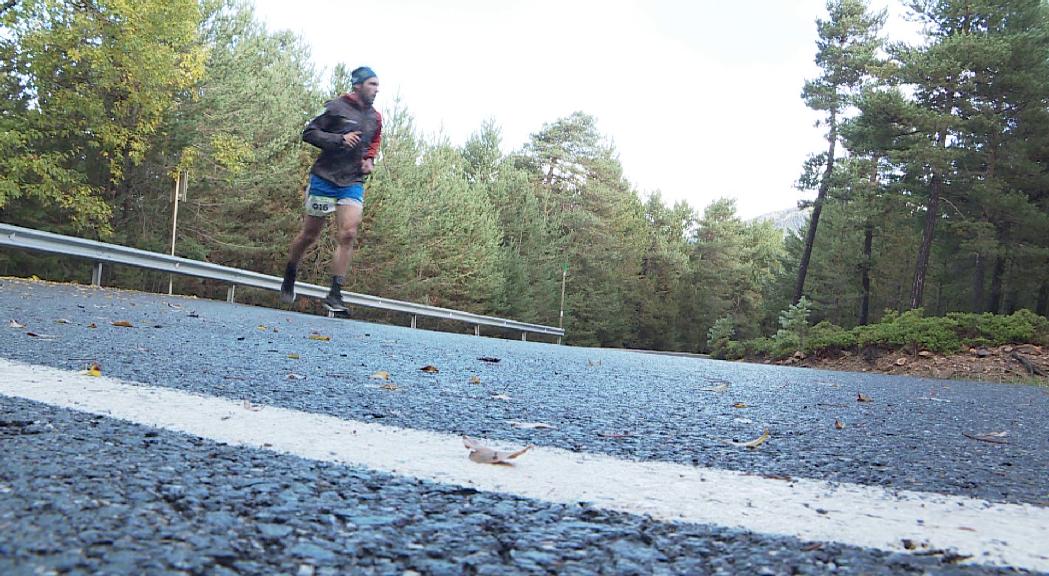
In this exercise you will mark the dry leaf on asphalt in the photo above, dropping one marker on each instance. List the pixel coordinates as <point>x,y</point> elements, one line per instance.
<point>759,440</point>
<point>95,369</point>
<point>123,324</point>
<point>92,325</point>
<point>500,397</point>
<point>861,397</point>
<point>838,424</point>
<point>294,376</point>
<point>262,327</point>
<point>716,389</point>
<point>249,406</point>
<point>488,359</point>
<point>484,455</point>
<point>430,368</point>
<point>530,425</point>
<point>390,386</point>
<point>62,321</point>
<point>475,379</point>
<point>15,324</point>
<point>320,337</point>
<point>753,443</point>
<point>992,437</point>
<point>293,356</point>
<point>381,375</point>
<point>740,405</point>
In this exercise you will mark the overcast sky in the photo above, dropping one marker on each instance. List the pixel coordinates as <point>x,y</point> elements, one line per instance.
<point>701,98</point>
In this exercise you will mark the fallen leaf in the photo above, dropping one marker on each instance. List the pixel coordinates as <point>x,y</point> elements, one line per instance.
<point>381,375</point>
<point>753,443</point>
<point>294,376</point>
<point>293,356</point>
<point>861,397</point>
<point>249,406</point>
<point>812,547</point>
<point>716,389</point>
<point>475,379</point>
<point>92,325</point>
<point>33,334</point>
<point>593,363</point>
<point>759,440</point>
<point>15,324</point>
<point>740,405</point>
<point>430,368</point>
<point>262,327</point>
<point>838,424</point>
<point>992,437</point>
<point>390,386</point>
<point>488,359</point>
<point>484,455</point>
<point>34,278</point>
<point>320,337</point>
<point>500,397</point>
<point>530,425</point>
<point>123,324</point>
<point>62,321</point>
<point>95,369</point>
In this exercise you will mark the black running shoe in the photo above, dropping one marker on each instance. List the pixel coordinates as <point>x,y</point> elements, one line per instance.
<point>333,301</point>
<point>287,288</point>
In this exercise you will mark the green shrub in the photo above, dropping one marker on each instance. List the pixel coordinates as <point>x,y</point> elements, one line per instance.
<point>827,336</point>
<point>1020,327</point>
<point>758,347</point>
<point>911,329</point>
<point>719,336</point>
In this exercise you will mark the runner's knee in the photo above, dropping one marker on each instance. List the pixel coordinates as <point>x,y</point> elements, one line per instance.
<point>347,236</point>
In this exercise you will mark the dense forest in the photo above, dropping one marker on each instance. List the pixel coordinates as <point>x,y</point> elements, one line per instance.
<point>932,191</point>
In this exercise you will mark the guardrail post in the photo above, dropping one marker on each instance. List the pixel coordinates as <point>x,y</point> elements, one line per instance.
<point>96,274</point>
<point>524,336</point>
<point>230,292</point>
<point>558,340</point>
<point>477,330</point>
<point>414,320</point>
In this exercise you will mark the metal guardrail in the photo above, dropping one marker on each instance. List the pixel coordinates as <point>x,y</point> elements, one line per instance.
<point>100,252</point>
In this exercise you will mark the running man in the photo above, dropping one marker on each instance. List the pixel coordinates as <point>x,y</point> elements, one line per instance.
<point>348,133</point>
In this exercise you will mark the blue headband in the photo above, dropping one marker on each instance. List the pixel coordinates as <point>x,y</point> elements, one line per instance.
<point>361,74</point>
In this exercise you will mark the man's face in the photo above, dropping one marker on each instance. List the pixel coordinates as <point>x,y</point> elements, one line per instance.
<point>368,89</point>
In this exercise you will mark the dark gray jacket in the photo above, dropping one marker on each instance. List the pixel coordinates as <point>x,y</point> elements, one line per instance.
<point>338,163</point>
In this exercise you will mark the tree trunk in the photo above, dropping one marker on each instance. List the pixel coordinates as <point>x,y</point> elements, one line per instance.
<point>810,236</point>
<point>1042,307</point>
<point>994,305</point>
<point>865,274</point>
<point>868,244</point>
<point>979,273</point>
<point>932,214</point>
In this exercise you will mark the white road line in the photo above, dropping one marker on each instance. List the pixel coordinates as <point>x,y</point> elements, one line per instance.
<point>858,515</point>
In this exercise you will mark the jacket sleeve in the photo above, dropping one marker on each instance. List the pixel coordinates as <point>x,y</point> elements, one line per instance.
<point>315,133</point>
<point>373,149</point>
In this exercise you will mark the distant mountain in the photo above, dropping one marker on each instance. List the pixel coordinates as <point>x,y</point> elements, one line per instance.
<point>787,220</point>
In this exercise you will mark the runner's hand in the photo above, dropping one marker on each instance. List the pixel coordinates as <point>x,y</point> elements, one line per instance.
<point>367,165</point>
<point>351,139</point>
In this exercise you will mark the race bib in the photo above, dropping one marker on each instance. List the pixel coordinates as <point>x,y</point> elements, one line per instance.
<point>320,206</point>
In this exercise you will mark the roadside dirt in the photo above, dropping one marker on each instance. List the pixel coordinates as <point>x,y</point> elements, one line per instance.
<point>1024,363</point>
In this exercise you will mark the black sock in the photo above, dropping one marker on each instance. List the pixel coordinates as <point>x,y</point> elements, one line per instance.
<point>336,283</point>
<point>291,270</point>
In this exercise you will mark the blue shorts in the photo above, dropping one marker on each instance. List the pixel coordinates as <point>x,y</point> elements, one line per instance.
<point>322,196</point>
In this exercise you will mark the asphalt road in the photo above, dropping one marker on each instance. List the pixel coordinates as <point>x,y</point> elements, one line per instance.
<point>89,494</point>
